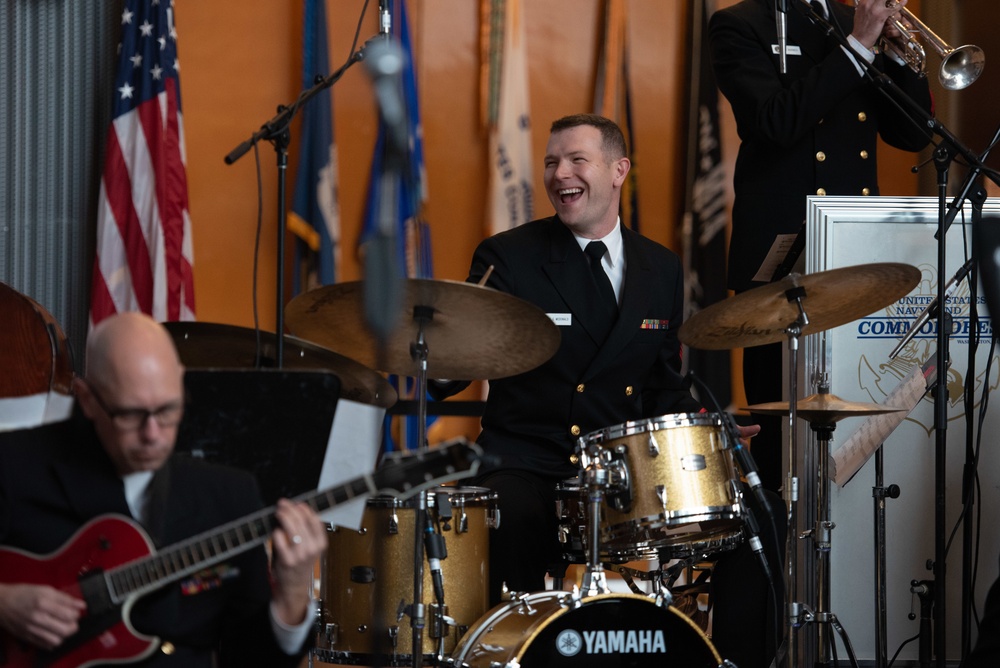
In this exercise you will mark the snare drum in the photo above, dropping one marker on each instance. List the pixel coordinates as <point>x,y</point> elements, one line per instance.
<point>677,487</point>
<point>553,628</point>
<point>368,574</point>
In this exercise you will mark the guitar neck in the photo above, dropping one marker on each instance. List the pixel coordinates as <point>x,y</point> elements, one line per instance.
<point>211,547</point>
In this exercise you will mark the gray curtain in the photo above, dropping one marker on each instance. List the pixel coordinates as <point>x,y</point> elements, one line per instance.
<point>57,60</point>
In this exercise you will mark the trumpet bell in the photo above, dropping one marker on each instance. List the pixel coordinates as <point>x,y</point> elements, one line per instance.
<point>961,67</point>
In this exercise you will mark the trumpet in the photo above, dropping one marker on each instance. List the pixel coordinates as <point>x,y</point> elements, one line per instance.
<point>959,67</point>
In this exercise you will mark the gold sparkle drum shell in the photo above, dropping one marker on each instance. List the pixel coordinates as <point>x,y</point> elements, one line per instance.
<point>674,487</point>
<point>367,574</point>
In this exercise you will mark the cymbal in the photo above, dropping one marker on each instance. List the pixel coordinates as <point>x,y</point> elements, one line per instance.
<point>832,298</point>
<point>476,332</point>
<point>206,345</point>
<point>823,407</point>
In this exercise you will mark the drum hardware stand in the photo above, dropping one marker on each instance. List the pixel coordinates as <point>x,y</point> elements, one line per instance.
<point>822,535</point>
<point>924,590</point>
<point>879,494</point>
<point>595,476</point>
<point>791,489</point>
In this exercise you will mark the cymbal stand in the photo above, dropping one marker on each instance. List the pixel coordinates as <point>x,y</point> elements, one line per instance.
<point>791,488</point>
<point>822,534</point>
<point>419,352</point>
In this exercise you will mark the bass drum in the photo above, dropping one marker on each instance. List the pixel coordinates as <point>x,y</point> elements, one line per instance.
<point>552,629</point>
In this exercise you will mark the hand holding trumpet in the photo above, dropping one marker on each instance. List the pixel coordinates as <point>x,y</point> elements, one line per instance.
<point>872,20</point>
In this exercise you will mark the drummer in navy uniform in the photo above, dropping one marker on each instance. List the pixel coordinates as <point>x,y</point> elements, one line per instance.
<point>617,299</point>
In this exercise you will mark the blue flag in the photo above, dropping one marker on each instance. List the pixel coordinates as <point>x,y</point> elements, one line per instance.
<point>315,215</point>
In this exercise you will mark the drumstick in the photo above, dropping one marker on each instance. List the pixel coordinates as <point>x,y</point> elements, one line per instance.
<point>486,276</point>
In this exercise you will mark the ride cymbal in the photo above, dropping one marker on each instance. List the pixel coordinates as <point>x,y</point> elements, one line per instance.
<point>474,332</point>
<point>831,298</point>
<point>205,345</point>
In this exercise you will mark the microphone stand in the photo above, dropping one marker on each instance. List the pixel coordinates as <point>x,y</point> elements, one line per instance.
<point>276,131</point>
<point>948,147</point>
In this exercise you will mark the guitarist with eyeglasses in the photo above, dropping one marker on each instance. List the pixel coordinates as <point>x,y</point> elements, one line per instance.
<point>65,598</point>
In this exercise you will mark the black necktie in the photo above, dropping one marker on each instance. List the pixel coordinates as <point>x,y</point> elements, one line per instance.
<point>595,250</point>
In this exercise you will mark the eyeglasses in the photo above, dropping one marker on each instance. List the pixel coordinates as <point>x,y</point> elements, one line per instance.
<point>128,419</point>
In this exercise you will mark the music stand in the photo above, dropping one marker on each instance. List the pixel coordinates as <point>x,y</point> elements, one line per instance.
<point>274,423</point>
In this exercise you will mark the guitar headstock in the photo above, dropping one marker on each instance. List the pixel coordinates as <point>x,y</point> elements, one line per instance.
<point>403,474</point>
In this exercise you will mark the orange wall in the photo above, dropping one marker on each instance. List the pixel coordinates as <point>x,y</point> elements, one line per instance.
<point>241,59</point>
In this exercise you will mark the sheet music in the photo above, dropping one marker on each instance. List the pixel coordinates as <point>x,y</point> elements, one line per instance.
<point>858,449</point>
<point>779,249</point>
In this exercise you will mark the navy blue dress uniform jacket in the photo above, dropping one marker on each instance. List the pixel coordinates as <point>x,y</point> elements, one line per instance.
<point>532,420</point>
<point>811,131</point>
<point>55,478</point>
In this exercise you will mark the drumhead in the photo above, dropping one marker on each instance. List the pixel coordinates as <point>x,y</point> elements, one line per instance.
<point>606,631</point>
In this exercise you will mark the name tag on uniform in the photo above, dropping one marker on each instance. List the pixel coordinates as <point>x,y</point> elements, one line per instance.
<point>790,50</point>
<point>561,319</point>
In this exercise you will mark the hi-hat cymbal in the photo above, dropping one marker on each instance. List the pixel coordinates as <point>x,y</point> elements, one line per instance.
<point>206,345</point>
<point>475,333</point>
<point>832,298</point>
<point>823,407</point>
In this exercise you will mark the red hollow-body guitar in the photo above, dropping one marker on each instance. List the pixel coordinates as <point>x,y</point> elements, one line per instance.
<point>110,562</point>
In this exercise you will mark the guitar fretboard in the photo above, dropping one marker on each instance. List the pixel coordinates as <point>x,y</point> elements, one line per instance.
<point>211,547</point>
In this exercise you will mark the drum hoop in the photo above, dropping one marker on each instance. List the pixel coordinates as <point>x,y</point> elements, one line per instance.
<point>661,422</point>
<point>465,496</point>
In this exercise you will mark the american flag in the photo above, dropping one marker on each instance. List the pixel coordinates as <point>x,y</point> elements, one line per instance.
<point>144,250</point>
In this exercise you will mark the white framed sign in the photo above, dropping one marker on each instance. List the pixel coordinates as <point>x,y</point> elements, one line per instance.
<point>848,231</point>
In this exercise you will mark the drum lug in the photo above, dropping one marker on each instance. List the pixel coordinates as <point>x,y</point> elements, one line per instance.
<point>661,494</point>
<point>394,637</point>
<point>654,447</point>
<point>332,634</point>
<point>439,621</point>
<point>463,522</point>
<point>393,523</point>
<point>493,517</point>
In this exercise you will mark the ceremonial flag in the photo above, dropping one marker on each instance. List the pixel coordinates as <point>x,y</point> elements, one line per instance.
<point>144,249</point>
<point>612,99</point>
<point>315,214</point>
<point>705,218</point>
<point>508,115</point>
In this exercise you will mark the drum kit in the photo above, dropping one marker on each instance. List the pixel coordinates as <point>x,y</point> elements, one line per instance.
<point>663,488</point>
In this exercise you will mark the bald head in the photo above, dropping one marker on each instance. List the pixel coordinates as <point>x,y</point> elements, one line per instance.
<point>133,375</point>
<point>126,345</point>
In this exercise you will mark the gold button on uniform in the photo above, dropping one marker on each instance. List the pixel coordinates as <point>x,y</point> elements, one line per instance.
<point>575,430</point>
<point>820,156</point>
<point>864,155</point>
<point>579,388</point>
<point>628,391</point>
<point>167,648</point>
<point>574,459</point>
<point>866,191</point>
<point>862,116</point>
<point>821,191</point>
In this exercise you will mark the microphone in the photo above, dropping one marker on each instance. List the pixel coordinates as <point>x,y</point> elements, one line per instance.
<point>781,18</point>
<point>436,551</point>
<point>384,61</point>
<point>928,312</point>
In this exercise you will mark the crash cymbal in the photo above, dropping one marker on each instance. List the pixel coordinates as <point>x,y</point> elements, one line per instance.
<point>823,407</point>
<point>832,298</point>
<point>206,345</point>
<point>476,332</point>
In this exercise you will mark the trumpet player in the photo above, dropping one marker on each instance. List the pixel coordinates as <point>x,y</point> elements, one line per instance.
<point>811,130</point>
